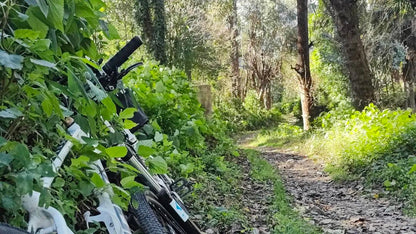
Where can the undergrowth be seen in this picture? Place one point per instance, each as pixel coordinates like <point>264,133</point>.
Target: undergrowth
<point>375,145</point>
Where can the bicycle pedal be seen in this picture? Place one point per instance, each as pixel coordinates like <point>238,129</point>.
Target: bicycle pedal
<point>182,187</point>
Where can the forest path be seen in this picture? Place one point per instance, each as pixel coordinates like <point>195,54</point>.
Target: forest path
<point>334,207</point>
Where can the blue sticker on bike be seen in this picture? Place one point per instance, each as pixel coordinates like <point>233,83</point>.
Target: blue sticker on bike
<point>175,205</point>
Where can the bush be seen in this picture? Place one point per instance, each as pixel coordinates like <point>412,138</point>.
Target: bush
<point>376,144</point>
<point>247,115</point>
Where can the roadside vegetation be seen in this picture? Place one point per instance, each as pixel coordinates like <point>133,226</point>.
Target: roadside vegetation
<point>299,90</point>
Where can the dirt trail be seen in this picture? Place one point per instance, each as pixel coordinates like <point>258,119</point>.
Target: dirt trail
<point>336,208</point>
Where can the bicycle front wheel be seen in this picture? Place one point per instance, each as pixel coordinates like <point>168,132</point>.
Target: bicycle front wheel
<point>151,216</point>
<point>5,228</point>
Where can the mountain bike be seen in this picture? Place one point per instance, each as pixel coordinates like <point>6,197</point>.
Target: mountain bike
<point>156,209</point>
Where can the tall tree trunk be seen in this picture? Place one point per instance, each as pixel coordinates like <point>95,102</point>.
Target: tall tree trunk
<point>345,17</point>
<point>302,66</point>
<point>151,18</point>
<point>160,31</point>
<point>409,69</point>
<point>144,20</point>
<point>235,54</point>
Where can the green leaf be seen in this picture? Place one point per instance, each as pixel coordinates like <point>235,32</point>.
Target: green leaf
<point>44,63</point>
<point>109,30</point>
<point>43,7</point>
<point>97,180</point>
<point>145,151</point>
<point>158,137</point>
<point>116,151</point>
<point>413,169</point>
<point>47,107</point>
<point>12,61</point>
<point>9,203</point>
<point>160,88</point>
<point>11,113</point>
<point>35,21</point>
<point>24,182</point>
<point>59,182</point>
<point>5,159</point>
<point>129,182</point>
<point>56,13</point>
<point>26,33</point>
<point>128,124</point>
<point>80,162</point>
<point>41,45</point>
<point>85,188</point>
<point>388,183</point>
<point>109,104</point>
<point>127,113</point>
<point>21,155</point>
<point>157,165</point>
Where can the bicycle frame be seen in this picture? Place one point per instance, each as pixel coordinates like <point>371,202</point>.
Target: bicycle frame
<point>47,220</point>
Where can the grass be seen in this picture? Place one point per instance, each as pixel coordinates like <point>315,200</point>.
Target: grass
<point>285,135</point>
<point>286,218</point>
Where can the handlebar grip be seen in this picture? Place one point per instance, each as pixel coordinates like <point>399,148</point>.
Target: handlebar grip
<point>118,59</point>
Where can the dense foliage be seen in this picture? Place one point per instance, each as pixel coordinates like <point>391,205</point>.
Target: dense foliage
<point>45,79</point>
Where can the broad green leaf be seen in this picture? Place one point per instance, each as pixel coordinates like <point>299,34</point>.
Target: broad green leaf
<point>59,182</point>
<point>41,45</point>
<point>128,124</point>
<point>127,113</point>
<point>5,159</point>
<point>158,137</point>
<point>43,7</point>
<point>21,155</point>
<point>47,107</point>
<point>157,165</point>
<point>8,202</point>
<point>26,33</point>
<point>35,21</point>
<point>24,182</point>
<point>129,182</point>
<point>10,113</point>
<point>116,151</point>
<point>56,13</point>
<point>145,151</point>
<point>148,142</point>
<point>44,63</point>
<point>97,180</point>
<point>85,188</point>
<point>160,87</point>
<point>81,161</point>
<point>413,169</point>
<point>109,104</point>
<point>109,30</point>
<point>12,61</point>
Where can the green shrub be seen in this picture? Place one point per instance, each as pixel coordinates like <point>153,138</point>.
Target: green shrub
<point>375,144</point>
<point>247,115</point>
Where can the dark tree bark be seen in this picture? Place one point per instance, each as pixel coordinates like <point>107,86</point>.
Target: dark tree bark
<point>235,53</point>
<point>409,69</point>
<point>160,31</point>
<point>345,17</point>
<point>150,16</point>
<point>302,67</point>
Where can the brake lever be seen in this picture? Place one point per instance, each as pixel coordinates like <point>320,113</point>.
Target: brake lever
<point>124,72</point>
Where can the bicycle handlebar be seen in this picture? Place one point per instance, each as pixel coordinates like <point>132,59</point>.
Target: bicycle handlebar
<point>118,59</point>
